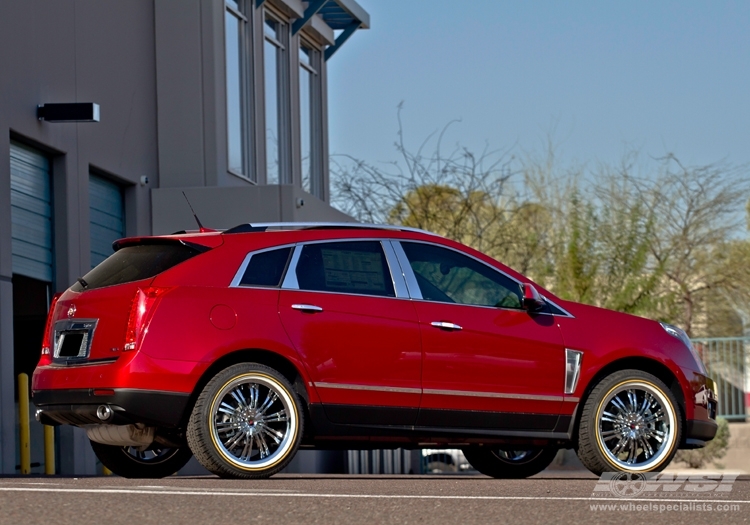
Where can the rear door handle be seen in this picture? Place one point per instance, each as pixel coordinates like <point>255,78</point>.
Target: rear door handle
<point>311,308</point>
<point>446,326</point>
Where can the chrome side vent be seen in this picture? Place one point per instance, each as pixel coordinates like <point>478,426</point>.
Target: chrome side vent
<point>573,360</point>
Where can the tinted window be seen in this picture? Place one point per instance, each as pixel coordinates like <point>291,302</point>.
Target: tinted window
<point>133,263</point>
<point>447,276</point>
<point>348,267</point>
<point>266,268</point>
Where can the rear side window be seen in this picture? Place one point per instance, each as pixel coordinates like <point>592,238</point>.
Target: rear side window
<point>358,267</point>
<point>133,263</point>
<point>266,268</point>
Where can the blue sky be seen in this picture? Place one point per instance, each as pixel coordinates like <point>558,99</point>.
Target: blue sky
<point>604,76</point>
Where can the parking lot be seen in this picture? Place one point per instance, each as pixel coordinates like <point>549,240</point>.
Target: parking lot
<point>559,497</point>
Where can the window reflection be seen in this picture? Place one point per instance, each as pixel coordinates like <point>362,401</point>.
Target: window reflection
<point>272,49</point>
<point>233,31</point>
<point>305,104</point>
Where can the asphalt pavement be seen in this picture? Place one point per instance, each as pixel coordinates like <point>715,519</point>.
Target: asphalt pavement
<point>559,497</point>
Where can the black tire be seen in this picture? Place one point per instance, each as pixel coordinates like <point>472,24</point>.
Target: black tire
<point>507,463</point>
<point>229,430</point>
<point>128,462</point>
<point>604,426</point>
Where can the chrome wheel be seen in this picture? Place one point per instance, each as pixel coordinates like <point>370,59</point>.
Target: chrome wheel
<point>508,463</point>
<point>253,421</point>
<point>152,455</point>
<point>157,461</point>
<point>516,456</point>
<point>636,426</point>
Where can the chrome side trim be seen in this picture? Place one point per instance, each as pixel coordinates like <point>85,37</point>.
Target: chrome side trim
<point>290,279</point>
<point>573,360</point>
<point>307,307</point>
<point>411,280</point>
<point>344,386</point>
<point>443,325</point>
<point>397,273</point>
<point>402,390</point>
<point>91,362</point>
<point>491,394</point>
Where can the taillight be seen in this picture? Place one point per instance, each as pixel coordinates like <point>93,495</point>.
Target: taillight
<point>140,310</point>
<point>47,339</point>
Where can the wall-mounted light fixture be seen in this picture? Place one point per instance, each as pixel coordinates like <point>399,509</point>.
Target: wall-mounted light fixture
<point>74,112</point>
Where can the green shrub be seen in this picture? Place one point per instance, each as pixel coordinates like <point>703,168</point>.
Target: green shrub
<point>714,449</point>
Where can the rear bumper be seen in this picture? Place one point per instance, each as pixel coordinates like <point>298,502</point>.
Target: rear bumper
<point>78,407</point>
<point>697,432</point>
<point>703,430</point>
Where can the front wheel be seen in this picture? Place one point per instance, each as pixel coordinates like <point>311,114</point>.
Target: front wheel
<point>130,462</point>
<point>247,422</point>
<point>631,422</point>
<point>507,463</point>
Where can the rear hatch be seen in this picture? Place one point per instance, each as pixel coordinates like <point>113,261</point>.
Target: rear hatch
<point>106,311</point>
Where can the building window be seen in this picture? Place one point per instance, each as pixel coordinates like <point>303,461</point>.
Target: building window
<point>273,59</point>
<point>309,92</point>
<point>235,26</point>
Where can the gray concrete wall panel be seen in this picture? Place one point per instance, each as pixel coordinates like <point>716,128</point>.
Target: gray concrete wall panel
<point>156,68</point>
<point>7,403</point>
<point>73,51</point>
<point>222,208</point>
<point>179,92</point>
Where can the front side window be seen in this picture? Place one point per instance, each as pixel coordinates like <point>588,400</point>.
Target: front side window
<point>357,267</point>
<point>235,25</point>
<point>446,276</point>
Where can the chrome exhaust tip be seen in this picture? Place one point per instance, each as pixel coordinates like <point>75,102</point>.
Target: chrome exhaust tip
<point>38,414</point>
<point>103,412</point>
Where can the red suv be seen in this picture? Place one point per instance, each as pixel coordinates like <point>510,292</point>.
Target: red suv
<point>241,346</point>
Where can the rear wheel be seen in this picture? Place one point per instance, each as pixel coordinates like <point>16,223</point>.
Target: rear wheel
<point>510,463</point>
<point>247,422</point>
<point>157,461</point>
<point>631,422</point>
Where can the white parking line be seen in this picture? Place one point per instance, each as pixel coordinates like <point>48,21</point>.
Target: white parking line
<point>359,496</point>
<point>189,489</point>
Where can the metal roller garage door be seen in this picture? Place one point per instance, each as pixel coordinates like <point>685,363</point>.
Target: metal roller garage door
<point>31,213</point>
<point>107,217</point>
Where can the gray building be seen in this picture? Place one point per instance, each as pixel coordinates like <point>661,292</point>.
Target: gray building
<point>225,100</point>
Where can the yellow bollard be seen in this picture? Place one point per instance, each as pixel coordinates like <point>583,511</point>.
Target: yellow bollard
<point>23,417</point>
<point>49,450</point>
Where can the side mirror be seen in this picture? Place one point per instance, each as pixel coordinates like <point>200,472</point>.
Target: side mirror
<point>532,301</point>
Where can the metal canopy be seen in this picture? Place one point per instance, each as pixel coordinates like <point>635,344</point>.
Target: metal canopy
<point>340,14</point>
<point>345,16</point>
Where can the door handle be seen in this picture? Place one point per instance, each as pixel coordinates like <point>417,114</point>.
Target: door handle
<point>310,308</point>
<point>446,326</point>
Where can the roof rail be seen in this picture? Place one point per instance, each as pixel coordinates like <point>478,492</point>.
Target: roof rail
<point>283,226</point>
